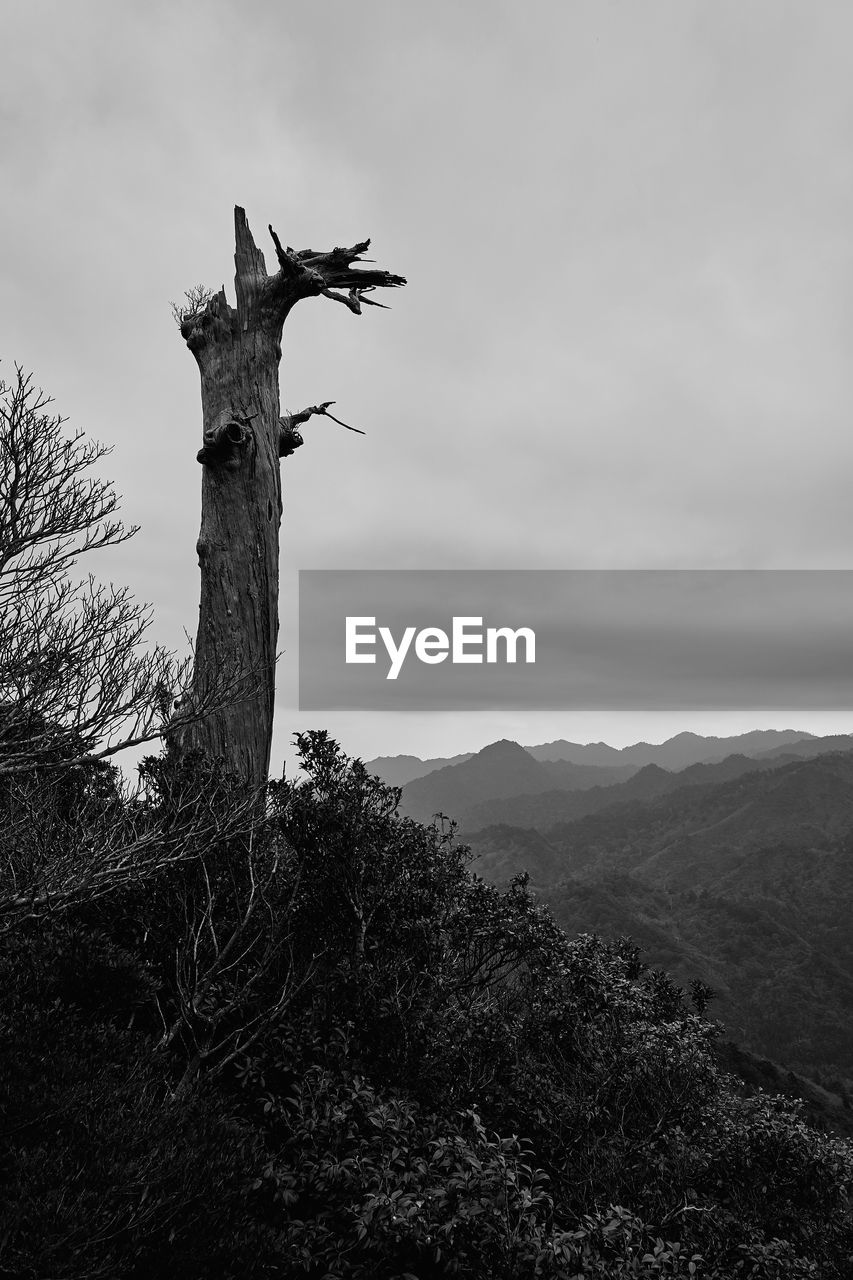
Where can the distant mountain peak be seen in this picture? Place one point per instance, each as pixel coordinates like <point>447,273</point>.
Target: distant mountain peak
<point>504,748</point>
<point>678,752</point>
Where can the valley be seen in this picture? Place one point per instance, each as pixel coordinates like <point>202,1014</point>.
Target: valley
<point>731,864</point>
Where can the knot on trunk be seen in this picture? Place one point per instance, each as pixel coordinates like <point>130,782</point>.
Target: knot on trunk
<point>206,319</point>
<point>224,444</point>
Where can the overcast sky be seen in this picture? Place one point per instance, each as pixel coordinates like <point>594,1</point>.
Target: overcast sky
<point>625,343</point>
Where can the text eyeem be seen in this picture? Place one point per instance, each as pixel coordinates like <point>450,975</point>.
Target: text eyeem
<point>467,642</point>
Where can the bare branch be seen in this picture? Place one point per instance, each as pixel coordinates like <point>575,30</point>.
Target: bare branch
<point>234,972</point>
<point>50,512</point>
<point>76,681</point>
<point>350,299</point>
<point>358,430</point>
<point>310,272</point>
<point>53,858</point>
<point>337,271</point>
<point>290,438</point>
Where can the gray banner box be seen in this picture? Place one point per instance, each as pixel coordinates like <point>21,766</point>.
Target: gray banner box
<point>604,639</point>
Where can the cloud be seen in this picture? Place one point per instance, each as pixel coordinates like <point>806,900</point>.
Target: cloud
<point>626,229</point>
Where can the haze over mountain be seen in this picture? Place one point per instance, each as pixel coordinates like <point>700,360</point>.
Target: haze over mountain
<point>499,783</point>
<point>396,771</point>
<point>675,753</point>
<point>502,768</point>
<point>810,746</point>
<point>542,811</point>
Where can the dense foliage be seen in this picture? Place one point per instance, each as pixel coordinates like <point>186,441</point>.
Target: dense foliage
<point>306,1041</point>
<point>783,977</point>
<point>746,882</point>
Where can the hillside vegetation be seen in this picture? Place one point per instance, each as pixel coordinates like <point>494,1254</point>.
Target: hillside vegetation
<point>745,883</point>
<point>304,1040</point>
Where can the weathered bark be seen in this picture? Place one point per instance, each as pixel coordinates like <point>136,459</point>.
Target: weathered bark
<point>238,351</point>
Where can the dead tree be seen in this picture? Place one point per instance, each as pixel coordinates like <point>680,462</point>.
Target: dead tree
<point>238,350</point>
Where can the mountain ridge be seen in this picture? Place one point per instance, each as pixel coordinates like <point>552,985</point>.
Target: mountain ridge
<point>745,884</point>
<point>681,750</point>
<point>501,768</point>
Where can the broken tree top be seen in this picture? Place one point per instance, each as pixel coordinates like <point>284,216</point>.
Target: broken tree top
<point>265,300</point>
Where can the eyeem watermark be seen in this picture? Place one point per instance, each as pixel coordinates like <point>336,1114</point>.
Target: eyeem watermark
<point>466,642</point>
<point>427,640</point>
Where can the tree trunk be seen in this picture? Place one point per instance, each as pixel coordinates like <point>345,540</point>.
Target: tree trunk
<point>229,710</point>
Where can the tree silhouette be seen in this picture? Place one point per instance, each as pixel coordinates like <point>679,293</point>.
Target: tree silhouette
<point>76,681</point>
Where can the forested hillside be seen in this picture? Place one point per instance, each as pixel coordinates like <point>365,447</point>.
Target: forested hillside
<point>746,884</point>
<point>308,1042</point>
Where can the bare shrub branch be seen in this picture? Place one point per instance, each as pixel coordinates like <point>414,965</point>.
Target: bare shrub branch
<point>70,839</point>
<point>76,680</point>
<point>195,301</point>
